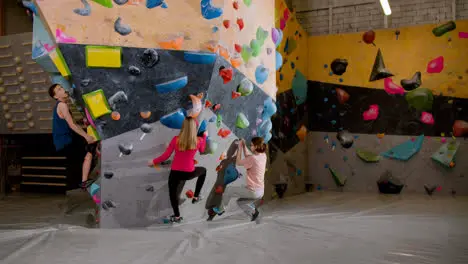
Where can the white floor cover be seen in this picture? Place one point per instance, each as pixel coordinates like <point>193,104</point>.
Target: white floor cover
<point>311,228</point>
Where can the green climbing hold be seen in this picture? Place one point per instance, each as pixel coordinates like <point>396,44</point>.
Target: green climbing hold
<point>246,53</point>
<point>219,120</point>
<point>367,156</point>
<point>256,47</point>
<point>339,180</point>
<point>242,121</point>
<point>261,35</point>
<point>420,99</point>
<point>245,87</point>
<point>446,154</point>
<point>247,2</point>
<point>106,3</point>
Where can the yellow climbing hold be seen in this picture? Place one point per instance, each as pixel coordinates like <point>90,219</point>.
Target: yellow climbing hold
<point>97,104</point>
<point>104,57</point>
<point>92,132</point>
<point>380,135</point>
<point>57,57</point>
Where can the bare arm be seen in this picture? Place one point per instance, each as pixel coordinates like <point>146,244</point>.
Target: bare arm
<point>65,112</point>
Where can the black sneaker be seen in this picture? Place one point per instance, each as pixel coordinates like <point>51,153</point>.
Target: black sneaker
<point>255,215</point>
<point>212,213</point>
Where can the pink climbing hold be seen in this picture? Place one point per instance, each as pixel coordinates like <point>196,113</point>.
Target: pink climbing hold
<point>462,35</point>
<point>96,199</point>
<point>62,38</point>
<point>427,118</point>
<point>90,120</point>
<point>392,88</point>
<point>286,14</point>
<point>282,24</point>
<point>372,113</point>
<point>436,65</point>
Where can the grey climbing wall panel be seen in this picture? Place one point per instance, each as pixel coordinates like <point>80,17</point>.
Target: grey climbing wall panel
<point>25,105</point>
<point>140,194</point>
<point>420,170</point>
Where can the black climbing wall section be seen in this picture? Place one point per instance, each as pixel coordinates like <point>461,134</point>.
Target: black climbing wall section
<point>140,90</point>
<point>220,93</point>
<point>288,119</point>
<point>395,115</point>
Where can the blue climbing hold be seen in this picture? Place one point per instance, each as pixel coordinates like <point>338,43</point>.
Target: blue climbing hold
<point>261,74</point>
<point>174,120</point>
<point>325,66</point>
<point>341,79</point>
<point>279,60</point>
<point>209,11</point>
<point>173,85</point>
<point>94,189</point>
<point>269,109</point>
<point>333,91</point>
<point>215,29</point>
<point>212,119</point>
<point>406,150</point>
<point>202,127</point>
<point>230,174</point>
<point>325,99</point>
<point>326,166</point>
<point>155,3</point>
<point>199,57</point>
<point>293,65</point>
<point>299,172</point>
<point>331,73</point>
<point>281,77</point>
<point>333,106</point>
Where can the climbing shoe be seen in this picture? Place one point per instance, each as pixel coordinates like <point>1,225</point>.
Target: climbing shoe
<point>213,212</point>
<point>175,219</point>
<point>255,215</point>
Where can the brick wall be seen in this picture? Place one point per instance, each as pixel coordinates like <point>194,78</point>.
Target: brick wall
<point>362,15</point>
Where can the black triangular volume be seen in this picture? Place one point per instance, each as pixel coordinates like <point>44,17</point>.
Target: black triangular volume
<point>379,71</point>
<point>430,190</point>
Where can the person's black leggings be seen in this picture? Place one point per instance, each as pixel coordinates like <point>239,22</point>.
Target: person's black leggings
<point>177,181</point>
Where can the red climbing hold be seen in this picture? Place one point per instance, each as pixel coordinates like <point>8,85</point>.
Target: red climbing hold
<point>460,128</point>
<point>235,4</point>
<point>219,189</point>
<point>226,23</point>
<point>286,14</point>
<point>189,194</point>
<point>240,23</point>
<point>238,48</point>
<point>342,95</point>
<point>223,133</point>
<point>235,95</point>
<point>226,74</point>
<point>208,103</point>
<point>216,107</point>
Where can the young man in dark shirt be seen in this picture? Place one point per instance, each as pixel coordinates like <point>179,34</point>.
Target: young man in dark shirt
<point>65,133</point>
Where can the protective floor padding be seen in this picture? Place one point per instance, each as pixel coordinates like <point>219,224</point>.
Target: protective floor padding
<point>313,228</point>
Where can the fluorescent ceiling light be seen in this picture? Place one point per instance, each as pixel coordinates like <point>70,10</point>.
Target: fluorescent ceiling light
<point>386,7</point>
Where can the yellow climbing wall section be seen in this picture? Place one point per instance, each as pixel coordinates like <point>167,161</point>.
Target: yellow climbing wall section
<point>177,24</point>
<point>412,51</point>
<point>295,35</point>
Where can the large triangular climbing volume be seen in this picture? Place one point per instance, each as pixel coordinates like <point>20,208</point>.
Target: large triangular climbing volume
<point>379,71</point>
<point>405,150</point>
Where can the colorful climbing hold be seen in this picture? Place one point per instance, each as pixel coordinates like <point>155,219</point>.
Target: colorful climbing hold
<point>105,3</point>
<point>96,103</point>
<point>248,2</point>
<point>208,103</point>
<point>261,74</point>
<point>460,128</point>
<point>199,57</point>
<point>367,156</point>
<point>420,99</point>
<point>175,43</point>
<point>224,132</point>
<point>173,120</point>
<point>391,88</point>
<point>121,28</point>
<point>442,29</point>
<point>372,113</point>
<point>226,74</point>
<point>103,57</point>
<point>115,116</point>
<point>301,133</point>
<point>235,94</point>
<point>145,114</point>
<point>235,5</point>
<point>219,120</point>
<point>413,83</point>
<point>240,23</point>
<point>209,11</point>
<point>172,86</point>
<point>246,53</point>
<point>216,107</point>
<point>85,11</point>
<point>238,48</point>
<point>405,150</point>
<point>427,118</point>
<point>226,23</point>
<point>436,65</point>
<point>242,122</point>
<point>368,37</point>
<point>245,87</point>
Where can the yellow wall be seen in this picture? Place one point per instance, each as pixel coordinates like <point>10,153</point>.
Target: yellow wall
<point>415,47</point>
<point>301,51</point>
<point>151,26</point>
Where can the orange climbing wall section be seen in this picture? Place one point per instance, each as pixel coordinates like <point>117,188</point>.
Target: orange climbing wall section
<point>297,59</point>
<point>411,52</point>
<point>179,26</point>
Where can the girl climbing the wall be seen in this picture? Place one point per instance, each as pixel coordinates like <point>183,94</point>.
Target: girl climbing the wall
<point>255,165</point>
<point>185,145</point>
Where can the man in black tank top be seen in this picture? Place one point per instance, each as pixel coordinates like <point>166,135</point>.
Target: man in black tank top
<point>68,141</point>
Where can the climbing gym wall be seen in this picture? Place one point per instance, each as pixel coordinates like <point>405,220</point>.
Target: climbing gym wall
<point>236,30</point>
<point>136,94</point>
<point>25,105</point>
<point>288,151</point>
<point>389,110</point>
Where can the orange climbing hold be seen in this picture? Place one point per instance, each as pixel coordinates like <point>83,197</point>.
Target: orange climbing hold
<point>235,95</point>
<point>212,47</point>
<point>224,133</point>
<point>115,116</point>
<point>301,133</point>
<point>226,23</point>
<point>208,103</point>
<point>175,44</point>
<point>222,156</point>
<point>226,74</point>
<point>236,62</point>
<point>223,52</point>
<point>219,189</point>
<point>240,23</point>
<point>145,114</point>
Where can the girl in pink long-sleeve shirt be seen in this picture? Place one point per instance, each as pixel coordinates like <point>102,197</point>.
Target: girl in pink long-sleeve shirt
<point>185,145</point>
